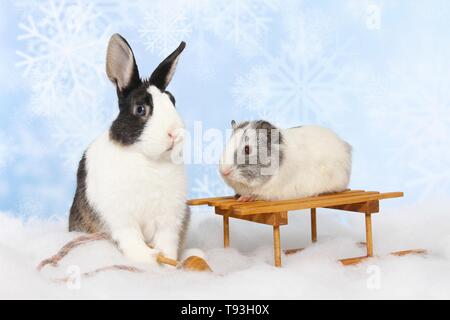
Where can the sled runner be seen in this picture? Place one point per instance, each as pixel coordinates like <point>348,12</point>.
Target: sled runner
<point>275,213</point>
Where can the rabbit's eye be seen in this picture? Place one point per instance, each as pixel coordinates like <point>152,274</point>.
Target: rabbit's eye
<point>247,149</point>
<point>139,111</point>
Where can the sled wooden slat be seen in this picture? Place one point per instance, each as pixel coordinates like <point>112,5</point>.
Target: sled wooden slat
<point>275,213</point>
<point>317,203</point>
<point>204,201</point>
<point>238,204</point>
<point>260,204</point>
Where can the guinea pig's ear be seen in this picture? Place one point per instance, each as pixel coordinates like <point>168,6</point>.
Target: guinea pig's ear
<point>163,74</point>
<point>233,124</point>
<point>121,66</point>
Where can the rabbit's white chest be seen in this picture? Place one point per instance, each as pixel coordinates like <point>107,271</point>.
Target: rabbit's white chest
<point>129,189</point>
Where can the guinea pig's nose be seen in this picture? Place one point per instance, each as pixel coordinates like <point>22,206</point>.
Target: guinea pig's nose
<point>225,171</point>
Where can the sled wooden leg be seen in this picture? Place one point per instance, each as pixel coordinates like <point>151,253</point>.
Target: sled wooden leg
<point>313,225</point>
<point>277,245</point>
<point>369,242</point>
<point>226,231</point>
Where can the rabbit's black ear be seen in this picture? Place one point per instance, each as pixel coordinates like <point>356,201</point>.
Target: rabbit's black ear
<point>163,74</point>
<point>121,66</point>
<point>233,124</point>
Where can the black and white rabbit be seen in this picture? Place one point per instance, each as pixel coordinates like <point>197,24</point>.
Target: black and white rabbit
<point>264,162</point>
<point>128,184</point>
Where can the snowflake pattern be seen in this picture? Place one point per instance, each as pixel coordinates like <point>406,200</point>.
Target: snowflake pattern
<point>245,24</point>
<point>164,27</point>
<point>63,61</point>
<point>312,88</point>
<point>64,53</point>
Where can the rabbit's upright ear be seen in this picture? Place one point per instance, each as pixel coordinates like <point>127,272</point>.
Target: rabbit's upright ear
<point>163,74</point>
<point>121,66</point>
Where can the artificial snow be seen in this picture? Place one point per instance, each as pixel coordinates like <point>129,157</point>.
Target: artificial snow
<point>244,271</point>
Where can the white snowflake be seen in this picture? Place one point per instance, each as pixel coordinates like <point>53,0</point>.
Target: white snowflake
<point>310,77</point>
<point>300,90</point>
<point>243,23</point>
<point>63,60</point>
<point>64,52</point>
<point>164,27</point>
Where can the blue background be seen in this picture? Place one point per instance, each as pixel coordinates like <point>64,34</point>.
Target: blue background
<point>377,72</point>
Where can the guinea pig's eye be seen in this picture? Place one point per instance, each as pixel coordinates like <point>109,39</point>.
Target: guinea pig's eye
<point>139,110</point>
<point>247,149</point>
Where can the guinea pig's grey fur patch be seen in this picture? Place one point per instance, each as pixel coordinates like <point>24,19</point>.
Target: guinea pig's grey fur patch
<point>254,169</point>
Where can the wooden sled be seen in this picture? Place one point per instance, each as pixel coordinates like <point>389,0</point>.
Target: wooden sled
<point>275,213</point>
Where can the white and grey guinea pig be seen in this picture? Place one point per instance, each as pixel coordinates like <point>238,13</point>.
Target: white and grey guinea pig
<point>263,162</point>
<point>127,184</point>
